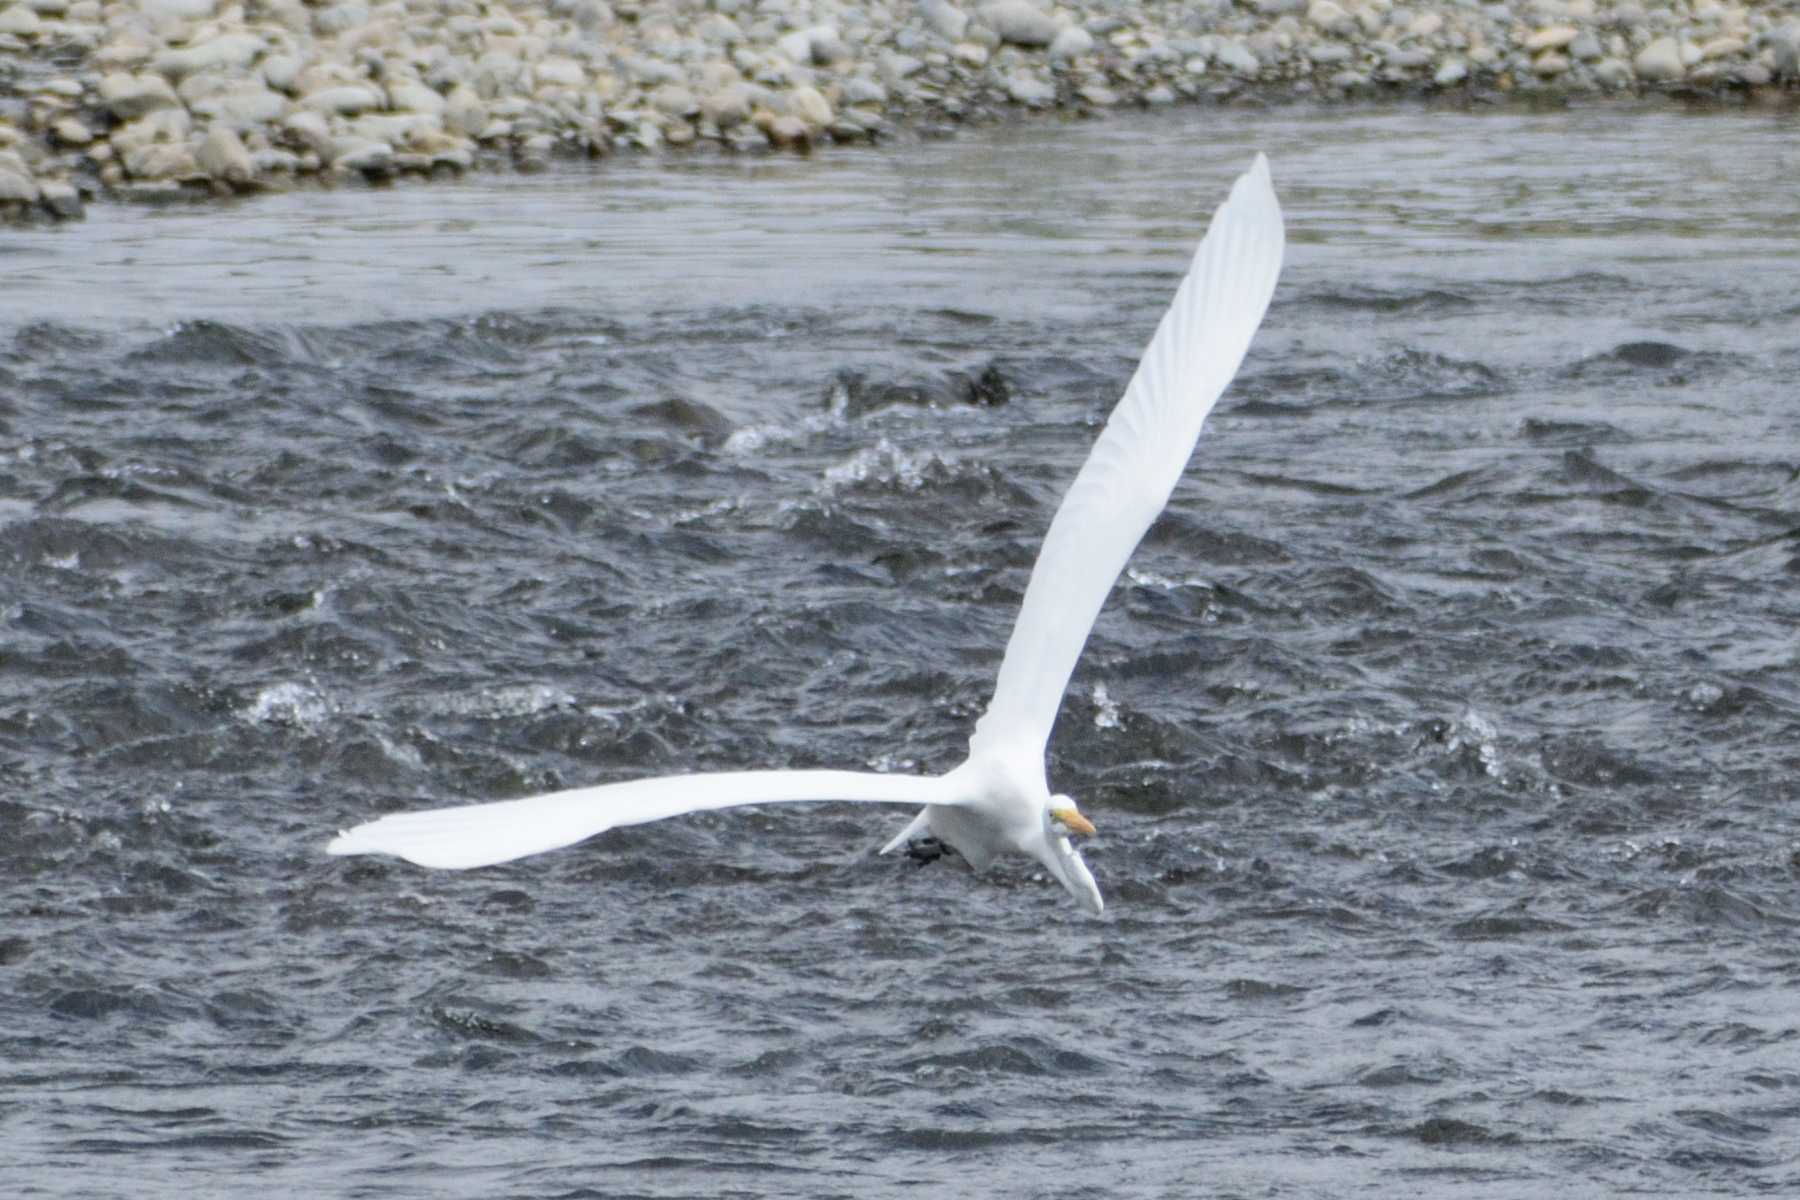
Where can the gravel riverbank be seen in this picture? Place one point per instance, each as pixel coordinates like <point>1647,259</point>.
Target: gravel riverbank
<point>160,99</point>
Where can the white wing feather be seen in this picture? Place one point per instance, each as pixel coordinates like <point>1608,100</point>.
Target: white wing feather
<point>1136,461</point>
<point>475,835</point>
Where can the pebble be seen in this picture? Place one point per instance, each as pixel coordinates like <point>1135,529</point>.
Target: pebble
<point>1660,61</point>
<point>1552,37</point>
<point>142,98</point>
<point>129,96</point>
<point>1330,17</point>
<point>71,132</point>
<point>1019,22</point>
<point>1071,42</point>
<point>224,156</point>
<point>17,184</point>
<point>1030,91</point>
<point>949,21</point>
<point>20,21</point>
<point>810,106</point>
<point>1235,56</point>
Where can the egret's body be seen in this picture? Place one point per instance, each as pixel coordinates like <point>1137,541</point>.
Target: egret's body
<point>998,801</point>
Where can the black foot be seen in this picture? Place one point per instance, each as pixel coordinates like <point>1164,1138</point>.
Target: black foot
<point>926,850</point>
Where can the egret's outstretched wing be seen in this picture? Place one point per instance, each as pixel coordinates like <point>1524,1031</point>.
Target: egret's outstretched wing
<point>475,835</point>
<point>1137,459</point>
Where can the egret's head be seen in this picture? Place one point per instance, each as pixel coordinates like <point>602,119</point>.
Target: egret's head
<point>1066,818</point>
<point>1062,818</point>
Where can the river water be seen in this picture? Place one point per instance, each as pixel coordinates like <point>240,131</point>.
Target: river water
<point>1442,737</point>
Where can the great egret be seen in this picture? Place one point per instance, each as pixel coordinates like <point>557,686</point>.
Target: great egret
<point>998,801</point>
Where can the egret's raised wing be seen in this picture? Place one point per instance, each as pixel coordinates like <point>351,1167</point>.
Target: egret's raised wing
<point>1137,459</point>
<point>475,835</point>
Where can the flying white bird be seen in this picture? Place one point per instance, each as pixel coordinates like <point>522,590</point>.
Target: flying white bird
<point>997,802</point>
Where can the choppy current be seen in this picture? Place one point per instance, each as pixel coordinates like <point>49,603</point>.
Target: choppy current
<point>1443,737</point>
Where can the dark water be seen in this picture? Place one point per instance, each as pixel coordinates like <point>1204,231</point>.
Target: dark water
<point>1443,738</point>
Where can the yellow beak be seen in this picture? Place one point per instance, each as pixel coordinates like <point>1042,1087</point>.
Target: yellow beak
<point>1073,821</point>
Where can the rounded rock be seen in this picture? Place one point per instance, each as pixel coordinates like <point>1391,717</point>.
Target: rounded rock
<point>1330,17</point>
<point>1019,22</point>
<point>674,100</point>
<point>1072,42</point>
<point>345,100</point>
<point>728,107</point>
<point>224,156</point>
<point>1660,61</point>
<point>1551,37</point>
<point>1451,72</point>
<point>128,97</point>
<point>18,185</point>
<point>71,132</point>
<point>947,20</point>
<point>21,22</point>
<point>810,106</point>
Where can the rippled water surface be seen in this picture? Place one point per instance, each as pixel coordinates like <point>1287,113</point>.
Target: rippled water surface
<point>1442,737</point>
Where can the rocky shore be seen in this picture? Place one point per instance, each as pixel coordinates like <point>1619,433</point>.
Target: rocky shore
<point>158,99</point>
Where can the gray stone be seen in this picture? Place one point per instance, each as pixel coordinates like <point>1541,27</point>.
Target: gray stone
<point>280,70</point>
<point>464,111</point>
<point>358,154</point>
<point>896,67</point>
<point>1330,17</point>
<point>1451,72</point>
<point>1784,49</point>
<point>727,107</point>
<point>820,45</point>
<point>1024,88</point>
<point>946,20</point>
<point>1234,56</point>
<point>311,132</point>
<point>351,14</point>
<point>71,132</point>
<point>21,22</point>
<point>177,10</point>
<point>788,131</point>
<point>1326,53</point>
<point>272,161</point>
<point>1586,48</point>
<point>858,90</point>
<point>227,52</point>
<point>1612,73</point>
<point>243,106</point>
<point>129,96</point>
<point>674,100</point>
<point>18,185</point>
<point>1551,37</point>
<point>810,106</point>
<point>1072,42</point>
<point>1660,61</point>
<point>1019,22</point>
<point>61,199</point>
<point>396,129</point>
<point>159,160</point>
<point>224,156</point>
<point>559,72</point>
<point>345,99</point>
<point>407,96</point>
